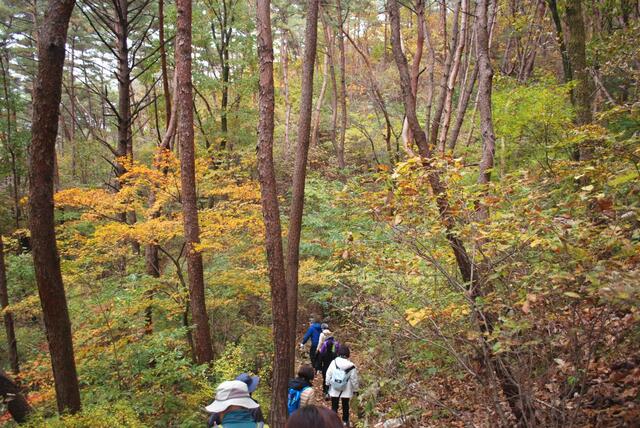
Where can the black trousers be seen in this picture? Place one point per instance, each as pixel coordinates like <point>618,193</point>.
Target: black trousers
<point>313,355</point>
<point>325,387</point>
<point>335,402</point>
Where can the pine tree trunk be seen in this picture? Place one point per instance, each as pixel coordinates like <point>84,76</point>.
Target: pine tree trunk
<point>300,168</point>
<point>46,110</point>
<point>271,213</point>
<point>163,63</point>
<point>201,334</point>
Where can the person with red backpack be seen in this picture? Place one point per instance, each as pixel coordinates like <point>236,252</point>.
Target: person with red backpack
<point>342,378</point>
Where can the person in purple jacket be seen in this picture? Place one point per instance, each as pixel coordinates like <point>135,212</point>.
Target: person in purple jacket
<point>313,333</point>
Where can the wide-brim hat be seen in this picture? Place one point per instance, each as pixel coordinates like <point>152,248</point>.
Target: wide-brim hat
<point>231,393</point>
<point>251,381</point>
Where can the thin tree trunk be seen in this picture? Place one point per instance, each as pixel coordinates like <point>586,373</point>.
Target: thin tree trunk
<point>319,102</point>
<point>300,168</point>
<point>271,215</point>
<point>453,77</point>
<point>9,141</point>
<point>12,344</point>
<point>184,99</point>
<point>566,64</point>
<point>287,99</point>
<point>343,90</point>
<point>17,405</point>
<point>329,42</point>
<point>437,116</point>
<point>46,110</point>
<point>163,62</point>
<point>578,58</point>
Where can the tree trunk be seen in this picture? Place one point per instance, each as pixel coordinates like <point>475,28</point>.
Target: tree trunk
<point>46,110</point>
<point>485,81</point>
<point>449,53</point>
<point>184,98</point>
<point>453,77</point>
<point>329,42</point>
<point>285,82</point>
<point>271,214</point>
<point>17,405</point>
<point>319,102</point>
<point>577,55</point>
<point>343,90</point>
<point>163,62</point>
<point>12,344</point>
<point>300,168</point>
<point>566,64</point>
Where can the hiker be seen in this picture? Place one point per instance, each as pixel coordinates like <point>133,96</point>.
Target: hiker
<point>252,384</point>
<point>326,354</point>
<point>300,389</point>
<point>324,335</point>
<point>234,405</point>
<point>342,378</point>
<point>314,417</point>
<point>313,333</point>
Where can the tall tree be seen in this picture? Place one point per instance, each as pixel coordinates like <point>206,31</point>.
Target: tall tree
<point>271,214</point>
<point>184,98</point>
<point>47,92</point>
<point>485,82</point>
<point>300,167</point>
<point>343,88</point>
<point>7,315</point>
<point>583,90</point>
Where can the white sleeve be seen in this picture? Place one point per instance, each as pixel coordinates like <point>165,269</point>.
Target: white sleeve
<point>354,379</point>
<point>330,372</point>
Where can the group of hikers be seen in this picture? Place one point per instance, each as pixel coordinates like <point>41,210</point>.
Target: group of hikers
<point>234,406</point>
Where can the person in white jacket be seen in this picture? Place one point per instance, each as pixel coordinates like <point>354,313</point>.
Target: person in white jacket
<point>342,378</point>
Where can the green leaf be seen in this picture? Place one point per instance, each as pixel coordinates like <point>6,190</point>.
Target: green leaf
<point>572,294</point>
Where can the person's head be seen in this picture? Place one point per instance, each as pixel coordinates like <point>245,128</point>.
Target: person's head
<point>343,351</point>
<point>325,326</point>
<point>312,319</point>
<point>306,372</point>
<point>251,381</point>
<point>314,417</point>
<point>231,395</point>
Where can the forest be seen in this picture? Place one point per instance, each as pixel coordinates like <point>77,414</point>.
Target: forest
<point>452,185</point>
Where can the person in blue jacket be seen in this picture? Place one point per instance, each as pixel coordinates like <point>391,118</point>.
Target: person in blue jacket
<point>313,333</point>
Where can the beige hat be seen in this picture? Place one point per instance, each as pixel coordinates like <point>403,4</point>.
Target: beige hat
<point>231,393</point>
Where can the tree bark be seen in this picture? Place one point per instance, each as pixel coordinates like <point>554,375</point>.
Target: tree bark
<point>485,82</point>
<point>320,101</point>
<point>184,98</point>
<point>271,214</point>
<point>12,344</point>
<point>300,168</point>
<point>329,42</point>
<point>453,77</point>
<point>46,110</point>
<point>566,64</point>
<point>343,90</point>
<point>17,405</point>
<point>285,82</point>
<point>163,63</point>
<point>449,54</point>
<point>583,90</point>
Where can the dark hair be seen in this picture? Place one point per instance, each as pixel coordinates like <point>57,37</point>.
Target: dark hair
<point>314,417</point>
<point>306,372</point>
<point>343,351</point>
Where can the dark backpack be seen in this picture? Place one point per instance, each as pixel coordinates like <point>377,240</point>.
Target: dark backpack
<point>293,400</point>
<point>329,347</point>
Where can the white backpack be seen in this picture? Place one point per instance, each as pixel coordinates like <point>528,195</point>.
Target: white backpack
<point>340,377</point>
